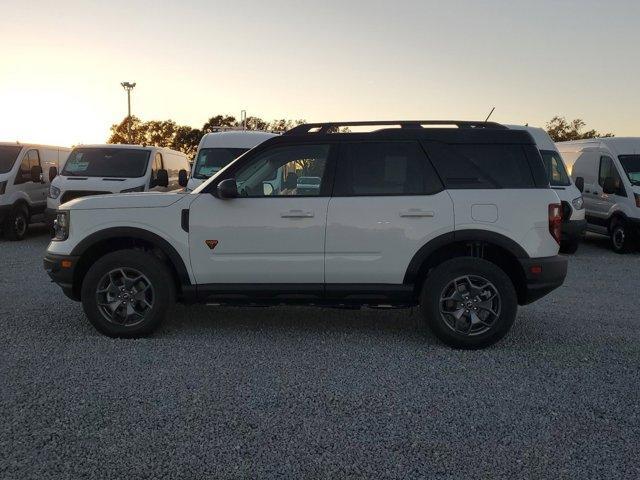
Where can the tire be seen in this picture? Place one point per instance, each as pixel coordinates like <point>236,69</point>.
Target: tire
<point>503,302</point>
<point>16,223</point>
<point>139,309</point>
<point>569,247</point>
<point>621,239</point>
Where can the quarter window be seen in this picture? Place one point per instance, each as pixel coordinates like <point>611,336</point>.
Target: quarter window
<point>384,168</point>
<point>480,166</point>
<point>292,171</point>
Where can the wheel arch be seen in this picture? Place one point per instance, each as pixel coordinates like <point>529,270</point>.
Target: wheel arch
<point>112,239</point>
<point>494,247</point>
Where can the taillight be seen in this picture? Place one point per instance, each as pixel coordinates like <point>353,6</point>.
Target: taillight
<point>555,221</point>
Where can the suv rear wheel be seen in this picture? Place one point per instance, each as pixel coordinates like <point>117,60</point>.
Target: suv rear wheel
<point>468,303</point>
<point>127,293</point>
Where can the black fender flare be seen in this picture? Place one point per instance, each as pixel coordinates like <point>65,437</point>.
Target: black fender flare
<point>136,233</point>
<point>469,235</point>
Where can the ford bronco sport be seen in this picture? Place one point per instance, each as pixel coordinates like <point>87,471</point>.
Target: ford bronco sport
<point>454,217</point>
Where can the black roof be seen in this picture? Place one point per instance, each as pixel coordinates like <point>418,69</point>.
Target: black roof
<point>448,131</point>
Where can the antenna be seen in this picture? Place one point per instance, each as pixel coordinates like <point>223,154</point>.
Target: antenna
<point>490,113</point>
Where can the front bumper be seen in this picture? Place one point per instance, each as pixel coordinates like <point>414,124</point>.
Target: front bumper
<point>62,273</point>
<point>542,276</point>
<point>572,230</point>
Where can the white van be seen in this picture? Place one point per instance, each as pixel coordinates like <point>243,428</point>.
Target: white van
<point>573,212</point>
<point>23,186</point>
<point>608,171</point>
<point>102,169</point>
<point>216,150</point>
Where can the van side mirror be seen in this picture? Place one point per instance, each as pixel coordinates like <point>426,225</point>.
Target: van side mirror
<point>580,184</point>
<point>36,171</point>
<point>53,173</point>
<point>183,179</point>
<point>162,178</point>
<point>609,186</point>
<point>227,189</point>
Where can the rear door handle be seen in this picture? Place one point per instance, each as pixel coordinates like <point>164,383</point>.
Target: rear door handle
<point>417,212</point>
<point>296,214</point>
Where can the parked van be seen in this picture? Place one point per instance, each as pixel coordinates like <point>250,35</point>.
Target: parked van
<point>216,150</point>
<point>573,212</point>
<point>102,169</point>
<point>23,186</point>
<point>608,172</point>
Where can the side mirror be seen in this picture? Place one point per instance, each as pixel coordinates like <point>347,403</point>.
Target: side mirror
<point>227,189</point>
<point>36,171</point>
<point>580,184</point>
<point>53,173</point>
<point>183,179</point>
<point>162,178</point>
<point>609,186</point>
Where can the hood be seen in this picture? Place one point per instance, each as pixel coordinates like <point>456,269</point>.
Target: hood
<point>123,200</point>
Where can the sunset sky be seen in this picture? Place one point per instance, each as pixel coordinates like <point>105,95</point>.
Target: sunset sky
<point>62,62</point>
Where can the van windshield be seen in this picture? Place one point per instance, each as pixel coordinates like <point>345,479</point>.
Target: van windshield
<point>631,165</point>
<point>8,155</point>
<point>212,160</point>
<point>554,166</point>
<point>107,162</point>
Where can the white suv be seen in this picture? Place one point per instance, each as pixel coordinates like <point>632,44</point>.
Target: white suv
<point>457,218</point>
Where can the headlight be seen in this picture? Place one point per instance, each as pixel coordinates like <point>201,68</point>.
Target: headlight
<point>135,189</point>
<point>54,192</point>
<point>61,226</point>
<point>3,187</point>
<point>578,203</point>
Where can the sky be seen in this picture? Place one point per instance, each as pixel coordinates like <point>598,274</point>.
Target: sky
<point>61,63</point>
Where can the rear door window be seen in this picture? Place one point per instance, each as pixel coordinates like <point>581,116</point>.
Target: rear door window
<point>384,168</point>
<point>481,166</point>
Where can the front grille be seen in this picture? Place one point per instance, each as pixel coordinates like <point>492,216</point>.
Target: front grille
<point>72,194</point>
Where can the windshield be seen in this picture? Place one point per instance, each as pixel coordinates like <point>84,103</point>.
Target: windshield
<point>555,168</point>
<point>8,155</point>
<point>631,165</point>
<point>107,162</point>
<point>212,160</point>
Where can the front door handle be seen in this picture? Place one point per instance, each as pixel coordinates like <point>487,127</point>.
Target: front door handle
<point>296,214</point>
<point>417,212</point>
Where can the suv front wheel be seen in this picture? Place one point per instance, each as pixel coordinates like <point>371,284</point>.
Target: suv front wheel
<point>468,302</point>
<point>127,293</point>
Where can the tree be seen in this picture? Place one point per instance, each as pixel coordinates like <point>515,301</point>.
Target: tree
<point>219,121</point>
<point>560,130</point>
<point>186,140</point>
<point>120,131</point>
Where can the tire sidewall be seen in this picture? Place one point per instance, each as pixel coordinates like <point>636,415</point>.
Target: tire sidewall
<point>10,223</point>
<point>442,275</point>
<point>156,273</point>
<point>628,241</point>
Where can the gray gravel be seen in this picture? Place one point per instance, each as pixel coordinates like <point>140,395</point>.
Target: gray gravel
<point>321,393</point>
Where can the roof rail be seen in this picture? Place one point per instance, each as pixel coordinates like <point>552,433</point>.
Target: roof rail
<point>329,127</point>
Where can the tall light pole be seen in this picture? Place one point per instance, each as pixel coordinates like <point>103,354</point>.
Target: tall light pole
<point>128,87</point>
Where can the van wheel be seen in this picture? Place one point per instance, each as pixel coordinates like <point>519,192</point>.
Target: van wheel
<point>16,224</point>
<point>468,303</point>
<point>621,241</point>
<point>126,293</point>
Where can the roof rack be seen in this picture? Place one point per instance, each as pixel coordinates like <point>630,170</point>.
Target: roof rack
<point>329,127</point>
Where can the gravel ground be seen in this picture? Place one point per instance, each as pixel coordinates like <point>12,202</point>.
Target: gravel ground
<point>321,393</point>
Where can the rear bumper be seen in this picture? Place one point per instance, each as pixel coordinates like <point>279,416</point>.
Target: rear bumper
<point>543,275</point>
<point>62,274</point>
<point>573,230</point>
